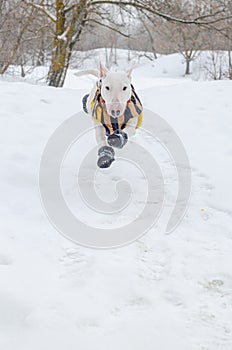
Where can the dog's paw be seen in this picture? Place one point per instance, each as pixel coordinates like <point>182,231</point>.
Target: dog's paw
<point>118,139</point>
<point>84,103</point>
<point>106,157</point>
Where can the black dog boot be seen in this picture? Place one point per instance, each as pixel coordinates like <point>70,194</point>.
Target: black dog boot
<point>106,157</point>
<point>118,139</point>
<point>84,103</point>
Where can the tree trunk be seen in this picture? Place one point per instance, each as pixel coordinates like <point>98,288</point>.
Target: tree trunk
<point>111,55</point>
<point>65,38</point>
<point>115,55</point>
<point>41,55</point>
<point>154,50</point>
<point>40,59</point>
<point>106,57</point>
<point>23,74</point>
<point>59,66</point>
<point>187,67</point>
<point>57,71</point>
<point>230,65</point>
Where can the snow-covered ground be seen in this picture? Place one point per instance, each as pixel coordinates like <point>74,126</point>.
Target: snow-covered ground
<point>207,65</point>
<point>161,292</point>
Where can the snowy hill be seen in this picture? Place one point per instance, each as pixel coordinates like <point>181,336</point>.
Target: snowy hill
<point>206,66</point>
<point>161,292</point>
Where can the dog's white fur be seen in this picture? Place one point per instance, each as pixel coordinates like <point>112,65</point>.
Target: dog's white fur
<point>116,91</point>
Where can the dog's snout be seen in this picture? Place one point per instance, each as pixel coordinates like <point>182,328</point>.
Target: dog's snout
<point>115,113</point>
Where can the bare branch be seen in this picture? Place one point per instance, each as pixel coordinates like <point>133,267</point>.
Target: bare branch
<point>41,9</point>
<point>143,6</point>
<point>108,26</point>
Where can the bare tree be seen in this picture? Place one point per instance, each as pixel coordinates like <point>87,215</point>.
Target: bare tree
<point>12,36</point>
<point>69,18</point>
<point>216,65</point>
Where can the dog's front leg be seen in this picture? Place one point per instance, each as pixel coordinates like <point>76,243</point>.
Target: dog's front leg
<point>120,137</point>
<point>100,134</point>
<point>105,152</point>
<point>130,129</point>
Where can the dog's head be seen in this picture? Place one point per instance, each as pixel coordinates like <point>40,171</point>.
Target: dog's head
<point>115,90</point>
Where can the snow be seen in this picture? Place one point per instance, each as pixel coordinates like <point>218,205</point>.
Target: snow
<point>64,35</point>
<point>161,292</point>
<point>166,66</point>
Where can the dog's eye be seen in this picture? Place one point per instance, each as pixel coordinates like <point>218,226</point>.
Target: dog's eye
<point>107,88</point>
<point>124,88</point>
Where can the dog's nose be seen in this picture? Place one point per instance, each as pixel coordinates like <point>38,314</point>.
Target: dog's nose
<point>115,112</point>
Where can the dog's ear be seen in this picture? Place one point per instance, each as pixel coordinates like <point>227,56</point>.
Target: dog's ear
<point>129,70</point>
<point>103,71</point>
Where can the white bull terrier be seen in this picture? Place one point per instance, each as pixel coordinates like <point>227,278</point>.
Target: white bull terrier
<point>116,108</point>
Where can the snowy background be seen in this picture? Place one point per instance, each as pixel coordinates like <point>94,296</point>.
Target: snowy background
<point>161,292</point>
